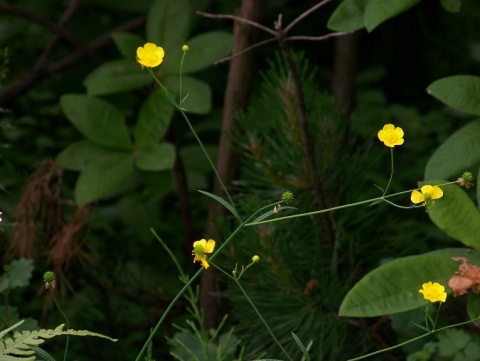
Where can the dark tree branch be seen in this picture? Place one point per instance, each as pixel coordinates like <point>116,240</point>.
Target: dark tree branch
<point>12,91</point>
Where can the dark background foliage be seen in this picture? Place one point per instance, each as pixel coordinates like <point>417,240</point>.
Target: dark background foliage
<point>114,278</point>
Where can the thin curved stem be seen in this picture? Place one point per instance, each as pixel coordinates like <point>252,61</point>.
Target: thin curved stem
<point>234,279</point>
<point>412,340</point>
<point>207,156</point>
<point>391,171</point>
<point>180,293</point>
<point>66,321</point>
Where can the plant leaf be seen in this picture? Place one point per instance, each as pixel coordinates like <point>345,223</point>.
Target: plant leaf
<point>22,345</point>
<point>168,25</point>
<point>348,16</point>
<point>16,274</point>
<point>156,157</point>
<point>199,100</point>
<point>153,119</point>
<point>393,287</point>
<point>97,120</point>
<point>205,49</point>
<point>77,156</point>
<point>452,6</point>
<point>378,11</point>
<point>105,179</point>
<point>459,153</point>
<point>461,92</point>
<point>223,203</point>
<point>117,76</point>
<point>127,44</point>
<point>456,214</point>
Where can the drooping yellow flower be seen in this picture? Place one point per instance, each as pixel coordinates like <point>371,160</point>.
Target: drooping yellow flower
<point>150,55</point>
<point>429,194</point>
<point>201,249</point>
<point>390,135</point>
<point>433,292</point>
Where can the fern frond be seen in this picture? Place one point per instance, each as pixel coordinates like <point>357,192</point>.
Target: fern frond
<point>20,346</point>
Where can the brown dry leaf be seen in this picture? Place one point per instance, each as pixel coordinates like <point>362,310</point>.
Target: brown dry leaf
<point>467,277</point>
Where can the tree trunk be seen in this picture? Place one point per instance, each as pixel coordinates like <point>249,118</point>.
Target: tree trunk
<point>237,94</point>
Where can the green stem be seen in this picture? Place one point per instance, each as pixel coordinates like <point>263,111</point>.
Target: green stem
<point>209,159</point>
<point>372,200</point>
<point>256,311</point>
<point>391,172</point>
<point>66,321</point>
<point>412,340</point>
<point>181,292</point>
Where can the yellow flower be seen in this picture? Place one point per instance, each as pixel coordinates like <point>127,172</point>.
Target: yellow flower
<point>429,194</point>
<point>433,292</point>
<point>255,259</point>
<point>150,55</point>
<point>201,249</point>
<point>390,135</point>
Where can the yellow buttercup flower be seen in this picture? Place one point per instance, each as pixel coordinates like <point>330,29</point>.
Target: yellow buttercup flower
<point>390,135</point>
<point>201,249</point>
<point>433,292</point>
<point>150,55</point>
<point>429,194</point>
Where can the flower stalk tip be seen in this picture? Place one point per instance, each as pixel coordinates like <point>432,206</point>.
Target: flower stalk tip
<point>49,279</point>
<point>466,180</point>
<point>255,259</point>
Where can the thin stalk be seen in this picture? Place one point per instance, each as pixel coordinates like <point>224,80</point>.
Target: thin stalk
<point>66,321</point>
<point>412,340</point>
<point>391,172</point>
<point>209,159</point>
<point>181,292</point>
<point>372,200</point>
<point>256,310</point>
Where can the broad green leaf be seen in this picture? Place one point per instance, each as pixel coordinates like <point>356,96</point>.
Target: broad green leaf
<point>16,274</point>
<point>77,156</point>
<point>117,76</point>
<point>156,157</point>
<point>456,214</point>
<point>393,287</point>
<point>452,6</point>
<point>378,11</point>
<point>473,305</point>
<point>168,25</point>
<point>199,94</point>
<point>348,16</point>
<point>205,49</point>
<point>153,119</point>
<point>99,181</point>
<point>127,44</point>
<point>223,202</point>
<point>97,120</point>
<point>459,153</point>
<point>461,92</point>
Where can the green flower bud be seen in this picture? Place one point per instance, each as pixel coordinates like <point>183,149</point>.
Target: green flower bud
<point>287,197</point>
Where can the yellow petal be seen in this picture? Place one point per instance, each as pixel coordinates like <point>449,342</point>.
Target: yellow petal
<point>204,262</point>
<point>209,247</point>
<point>427,189</point>
<point>436,192</point>
<point>417,197</point>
